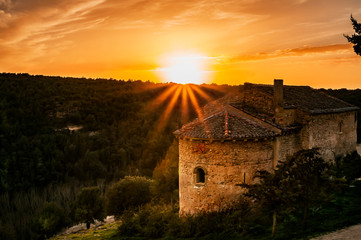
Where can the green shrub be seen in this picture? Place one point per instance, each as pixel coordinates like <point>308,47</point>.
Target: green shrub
<point>128,194</point>
<point>49,220</point>
<point>130,224</point>
<point>165,175</point>
<point>88,206</point>
<point>151,221</point>
<point>157,221</point>
<point>351,166</point>
<point>7,231</point>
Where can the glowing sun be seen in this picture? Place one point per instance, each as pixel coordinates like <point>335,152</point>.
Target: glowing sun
<point>185,68</point>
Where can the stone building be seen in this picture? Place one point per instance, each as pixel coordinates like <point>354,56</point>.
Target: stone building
<point>253,130</point>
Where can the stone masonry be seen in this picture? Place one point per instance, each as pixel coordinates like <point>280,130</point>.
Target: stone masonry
<point>253,131</point>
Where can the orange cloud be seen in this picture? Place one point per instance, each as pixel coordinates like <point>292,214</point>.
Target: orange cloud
<point>27,23</point>
<point>90,37</point>
<point>294,52</point>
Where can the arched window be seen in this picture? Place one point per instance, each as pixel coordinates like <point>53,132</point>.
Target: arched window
<point>200,175</point>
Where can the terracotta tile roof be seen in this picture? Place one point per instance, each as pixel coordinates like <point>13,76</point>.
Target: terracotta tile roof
<point>227,124</point>
<point>308,99</point>
<point>229,119</point>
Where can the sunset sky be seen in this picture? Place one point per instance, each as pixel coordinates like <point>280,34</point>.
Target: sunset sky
<point>227,41</point>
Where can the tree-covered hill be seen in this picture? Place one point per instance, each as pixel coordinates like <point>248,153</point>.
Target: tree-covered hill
<point>59,134</point>
<point>116,128</point>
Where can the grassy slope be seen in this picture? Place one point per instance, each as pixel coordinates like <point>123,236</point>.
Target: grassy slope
<point>106,231</point>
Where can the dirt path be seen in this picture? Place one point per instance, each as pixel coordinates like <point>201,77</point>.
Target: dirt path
<point>353,232</point>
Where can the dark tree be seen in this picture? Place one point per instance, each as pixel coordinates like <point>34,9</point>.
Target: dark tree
<point>127,194</point>
<point>165,176</point>
<point>296,183</point>
<point>355,39</point>
<point>305,171</point>
<point>89,205</point>
<point>350,166</point>
<point>275,192</point>
<point>49,220</point>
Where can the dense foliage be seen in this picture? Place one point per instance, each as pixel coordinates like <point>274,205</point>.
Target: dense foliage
<point>297,183</point>
<point>128,194</point>
<point>89,206</point>
<point>157,221</point>
<point>58,135</point>
<point>116,129</point>
<point>350,167</point>
<point>166,177</point>
<point>49,220</point>
<point>307,185</point>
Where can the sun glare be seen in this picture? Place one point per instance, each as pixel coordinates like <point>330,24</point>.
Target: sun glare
<point>185,68</point>
<point>188,71</point>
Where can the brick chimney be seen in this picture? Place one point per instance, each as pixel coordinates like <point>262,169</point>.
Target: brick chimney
<point>278,95</point>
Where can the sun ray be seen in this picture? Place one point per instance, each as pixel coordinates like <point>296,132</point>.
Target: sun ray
<point>219,88</point>
<point>170,106</point>
<point>183,68</point>
<point>162,98</point>
<point>201,92</point>
<point>187,96</point>
<point>195,103</point>
<point>185,109</point>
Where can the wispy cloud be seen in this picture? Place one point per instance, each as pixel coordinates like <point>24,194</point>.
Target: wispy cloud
<point>29,26</point>
<point>49,19</point>
<point>130,34</point>
<point>5,4</point>
<point>294,52</point>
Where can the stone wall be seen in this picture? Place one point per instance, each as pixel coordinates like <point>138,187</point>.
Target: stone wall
<point>335,134</point>
<point>285,117</point>
<point>323,132</point>
<point>252,96</point>
<point>226,164</point>
<point>286,146</point>
<point>229,164</point>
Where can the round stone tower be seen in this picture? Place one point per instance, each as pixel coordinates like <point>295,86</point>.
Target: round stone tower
<point>217,155</point>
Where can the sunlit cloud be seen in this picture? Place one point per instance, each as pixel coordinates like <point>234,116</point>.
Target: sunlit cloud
<point>301,1</point>
<point>90,37</point>
<point>43,23</point>
<point>5,4</point>
<point>307,50</point>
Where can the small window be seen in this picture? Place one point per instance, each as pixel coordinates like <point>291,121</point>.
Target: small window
<point>200,175</point>
<point>340,125</point>
<point>355,116</point>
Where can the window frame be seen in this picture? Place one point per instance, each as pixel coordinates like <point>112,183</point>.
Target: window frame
<point>198,174</point>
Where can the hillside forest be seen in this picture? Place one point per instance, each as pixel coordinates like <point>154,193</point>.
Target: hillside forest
<point>59,135</point>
